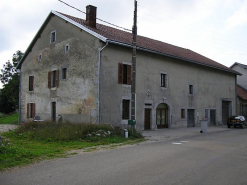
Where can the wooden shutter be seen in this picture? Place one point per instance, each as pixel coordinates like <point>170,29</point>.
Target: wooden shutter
<point>120,73</point>
<point>57,78</point>
<point>33,113</point>
<point>128,74</point>
<point>27,110</point>
<point>49,79</point>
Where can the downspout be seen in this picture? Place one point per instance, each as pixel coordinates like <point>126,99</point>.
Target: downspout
<point>20,98</point>
<point>99,67</point>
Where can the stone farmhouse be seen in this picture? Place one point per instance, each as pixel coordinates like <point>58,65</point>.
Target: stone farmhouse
<point>80,71</point>
<point>241,88</point>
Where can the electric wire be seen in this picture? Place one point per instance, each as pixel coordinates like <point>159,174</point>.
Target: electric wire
<point>96,17</point>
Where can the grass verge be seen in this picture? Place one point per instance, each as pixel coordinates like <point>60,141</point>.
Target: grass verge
<point>9,119</point>
<point>35,142</point>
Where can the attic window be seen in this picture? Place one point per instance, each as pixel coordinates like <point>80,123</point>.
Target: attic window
<point>66,48</point>
<point>53,37</point>
<point>39,57</point>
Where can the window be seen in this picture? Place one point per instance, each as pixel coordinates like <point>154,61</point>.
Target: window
<point>30,110</point>
<point>126,109</point>
<point>39,57</point>
<point>53,37</point>
<point>182,113</point>
<point>190,89</point>
<point>66,48</point>
<point>206,113</point>
<point>53,78</point>
<point>163,81</point>
<point>124,74</point>
<point>64,73</point>
<point>31,81</point>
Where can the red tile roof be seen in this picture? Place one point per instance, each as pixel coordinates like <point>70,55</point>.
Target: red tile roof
<point>116,35</point>
<point>242,93</point>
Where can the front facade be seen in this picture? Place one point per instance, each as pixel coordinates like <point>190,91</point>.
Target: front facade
<point>79,72</point>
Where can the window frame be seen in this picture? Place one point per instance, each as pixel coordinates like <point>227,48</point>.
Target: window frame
<point>53,37</point>
<point>183,113</point>
<point>124,73</point>
<point>53,79</point>
<point>191,89</point>
<point>163,80</point>
<point>65,48</point>
<point>125,109</point>
<point>31,83</point>
<point>31,110</point>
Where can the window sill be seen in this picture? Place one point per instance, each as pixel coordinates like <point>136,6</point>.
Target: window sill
<point>190,94</point>
<point>163,88</point>
<point>54,88</point>
<point>125,85</point>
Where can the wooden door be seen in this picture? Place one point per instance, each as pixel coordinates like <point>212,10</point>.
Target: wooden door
<point>53,111</point>
<point>225,111</point>
<point>212,117</point>
<point>147,120</point>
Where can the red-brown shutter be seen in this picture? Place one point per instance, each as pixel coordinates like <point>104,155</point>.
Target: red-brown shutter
<point>57,78</point>
<point>49,79</point>
<point>120,73</point>
<point>128,74</point>
<point>27,110</point>
<point>33,113</point>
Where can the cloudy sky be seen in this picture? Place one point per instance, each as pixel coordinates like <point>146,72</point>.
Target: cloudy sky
<point>214,28</point>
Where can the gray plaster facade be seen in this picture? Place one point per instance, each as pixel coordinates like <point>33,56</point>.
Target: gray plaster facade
<point>90,93</point>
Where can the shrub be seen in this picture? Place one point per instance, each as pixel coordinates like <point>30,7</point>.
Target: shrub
<point>49,131</point>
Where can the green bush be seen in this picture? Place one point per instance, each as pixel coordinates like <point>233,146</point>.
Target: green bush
<point>134,134</point>
<point>49,131</point>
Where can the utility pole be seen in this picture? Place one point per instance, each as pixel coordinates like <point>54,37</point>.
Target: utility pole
<point>133,73</point>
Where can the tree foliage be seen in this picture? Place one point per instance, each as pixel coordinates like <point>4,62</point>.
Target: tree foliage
<point>9,96</point>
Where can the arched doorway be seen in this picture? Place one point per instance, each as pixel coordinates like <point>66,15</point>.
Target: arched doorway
<point>162,116</point>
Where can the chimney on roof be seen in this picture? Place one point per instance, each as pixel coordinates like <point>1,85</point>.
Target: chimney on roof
<point>91,16</point>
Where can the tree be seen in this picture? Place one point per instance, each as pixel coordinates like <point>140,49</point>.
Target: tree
<point>9,97</point>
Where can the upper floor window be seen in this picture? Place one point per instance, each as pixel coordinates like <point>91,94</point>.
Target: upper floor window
<point>163,80</point>
<point>39,57</point>
<point>31,83</point>
<point>66,48</point>
<point>64,73</point>
<point>124,74</point>
<point>191,89</point>
<point>53,37</point>
<point>53,78</point>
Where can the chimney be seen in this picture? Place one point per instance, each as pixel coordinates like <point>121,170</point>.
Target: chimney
<point>91,16</point>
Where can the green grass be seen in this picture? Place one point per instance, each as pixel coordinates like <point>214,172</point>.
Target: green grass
<point>9,119</point>
<point>34,142</point>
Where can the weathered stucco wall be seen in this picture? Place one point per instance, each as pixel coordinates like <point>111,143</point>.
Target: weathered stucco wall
<point>211,86</point>
<point>75,97</point>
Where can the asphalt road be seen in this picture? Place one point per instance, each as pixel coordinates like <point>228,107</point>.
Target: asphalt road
<point>217,158</point>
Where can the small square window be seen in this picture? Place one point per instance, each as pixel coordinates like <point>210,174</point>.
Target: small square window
<point>182,113</point>
<point>64,73</point>
<point>53,37</point>
<point>190,89</point>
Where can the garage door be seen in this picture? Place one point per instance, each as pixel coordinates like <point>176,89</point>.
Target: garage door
<point>190,118</point>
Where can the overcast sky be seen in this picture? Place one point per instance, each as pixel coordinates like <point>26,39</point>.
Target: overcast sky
<point>216,29</point>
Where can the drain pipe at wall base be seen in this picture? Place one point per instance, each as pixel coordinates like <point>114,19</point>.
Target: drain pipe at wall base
<point>99,67</point>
